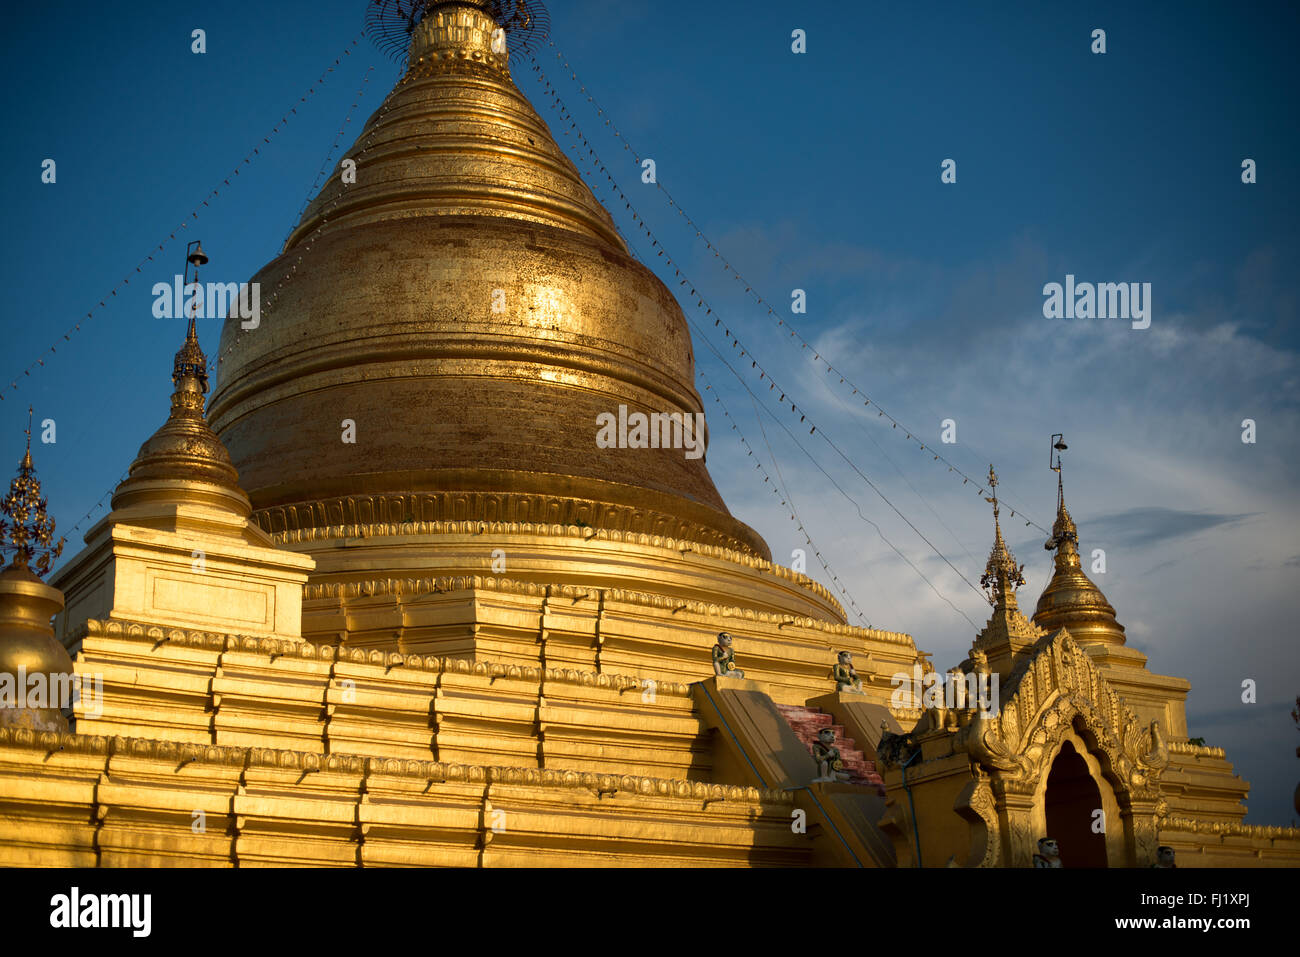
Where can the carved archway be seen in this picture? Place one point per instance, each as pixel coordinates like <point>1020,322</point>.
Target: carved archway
<point>1054,697</point>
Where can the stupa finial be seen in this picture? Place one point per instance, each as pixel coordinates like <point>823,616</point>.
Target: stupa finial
<point>190,367</point>
<point>393,24</point>
<point>1071,599</point>
<point>1065,537</point>
<point>1002,576</point>
<point>27,455</point>
<point>26,528</point>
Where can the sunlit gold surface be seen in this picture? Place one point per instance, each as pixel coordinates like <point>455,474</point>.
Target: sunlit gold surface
<point>184,461</point>
<point>27,642</point>
<point>462,412</point>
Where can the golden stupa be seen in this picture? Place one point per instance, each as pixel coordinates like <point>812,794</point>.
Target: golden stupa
<point>1070,598</point>
<point>389,603</point>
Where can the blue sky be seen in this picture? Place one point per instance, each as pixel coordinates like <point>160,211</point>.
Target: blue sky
<point>817,171</point>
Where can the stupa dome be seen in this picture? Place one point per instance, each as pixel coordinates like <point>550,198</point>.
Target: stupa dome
<point>470,307</point>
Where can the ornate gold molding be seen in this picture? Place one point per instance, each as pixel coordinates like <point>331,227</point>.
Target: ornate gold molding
<point>1230,828</point>
<point>586,534</point>
<point>276,648</point>
<point>458,62</point>
<point>976,803</point>
<point>149,749</point>
<point>1196,750</point>
<point>458,40</point>
<point>420,586</point>
<point>356,516</point>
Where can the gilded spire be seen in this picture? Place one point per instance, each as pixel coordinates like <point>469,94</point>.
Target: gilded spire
<point>1070,599</point>
<point>184,461</point>
<point>26,528</point>
<point>190,367</point>
<point>1065,537</point>
<point>457,138</point>
<point>1002,576</point>
<point>191,363</point>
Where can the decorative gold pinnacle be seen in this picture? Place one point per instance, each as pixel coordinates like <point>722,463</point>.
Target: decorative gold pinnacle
<point>1002,576</point>
<point>190,368</point>
<point>26,528</point>
<point>189,375</point>
<point>184,461</point>
<point>1071,599</point>
<point>1065,536</point>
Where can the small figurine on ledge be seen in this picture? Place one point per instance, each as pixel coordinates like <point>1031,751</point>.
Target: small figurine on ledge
<point>829,765</point>
<point>846,679</point>
<point>724,658</point>
<point>1164,858</point>
<point>1049,854</point>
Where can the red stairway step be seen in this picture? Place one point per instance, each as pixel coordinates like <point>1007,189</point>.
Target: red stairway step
<point>808,722</point>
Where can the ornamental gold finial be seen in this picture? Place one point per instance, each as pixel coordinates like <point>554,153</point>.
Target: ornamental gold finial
<point>993,487</point>
<point>27,455</point>
<point>26,528</point>
<point>190,368</point>
<point>1065,536</point>
<point>184,462</point>
<point>391,25</point>
<point>1071,599</point>
<point>1002,576</point>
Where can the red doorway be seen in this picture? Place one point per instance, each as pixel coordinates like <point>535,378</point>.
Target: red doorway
<point>1073,802</point>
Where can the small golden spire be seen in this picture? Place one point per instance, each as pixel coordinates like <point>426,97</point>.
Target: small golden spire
<point>1071,599</point>
<point>1065,536</point>
<point>27,456</point>
<point>26,528</point>
<point>189,377</point>
<point>190,368</point>
<point>1002,576</point>
<point>185,461</point>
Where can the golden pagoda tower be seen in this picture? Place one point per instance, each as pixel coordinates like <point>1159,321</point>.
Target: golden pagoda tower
<point>501,314</point>
<point>436,420</point>
<point>390,602</point>
<point>507,630</point>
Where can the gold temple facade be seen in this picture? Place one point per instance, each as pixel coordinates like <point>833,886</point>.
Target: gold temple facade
<point>471,637</point>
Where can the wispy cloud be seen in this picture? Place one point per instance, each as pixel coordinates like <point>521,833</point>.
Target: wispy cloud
<point>1153,524</point>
